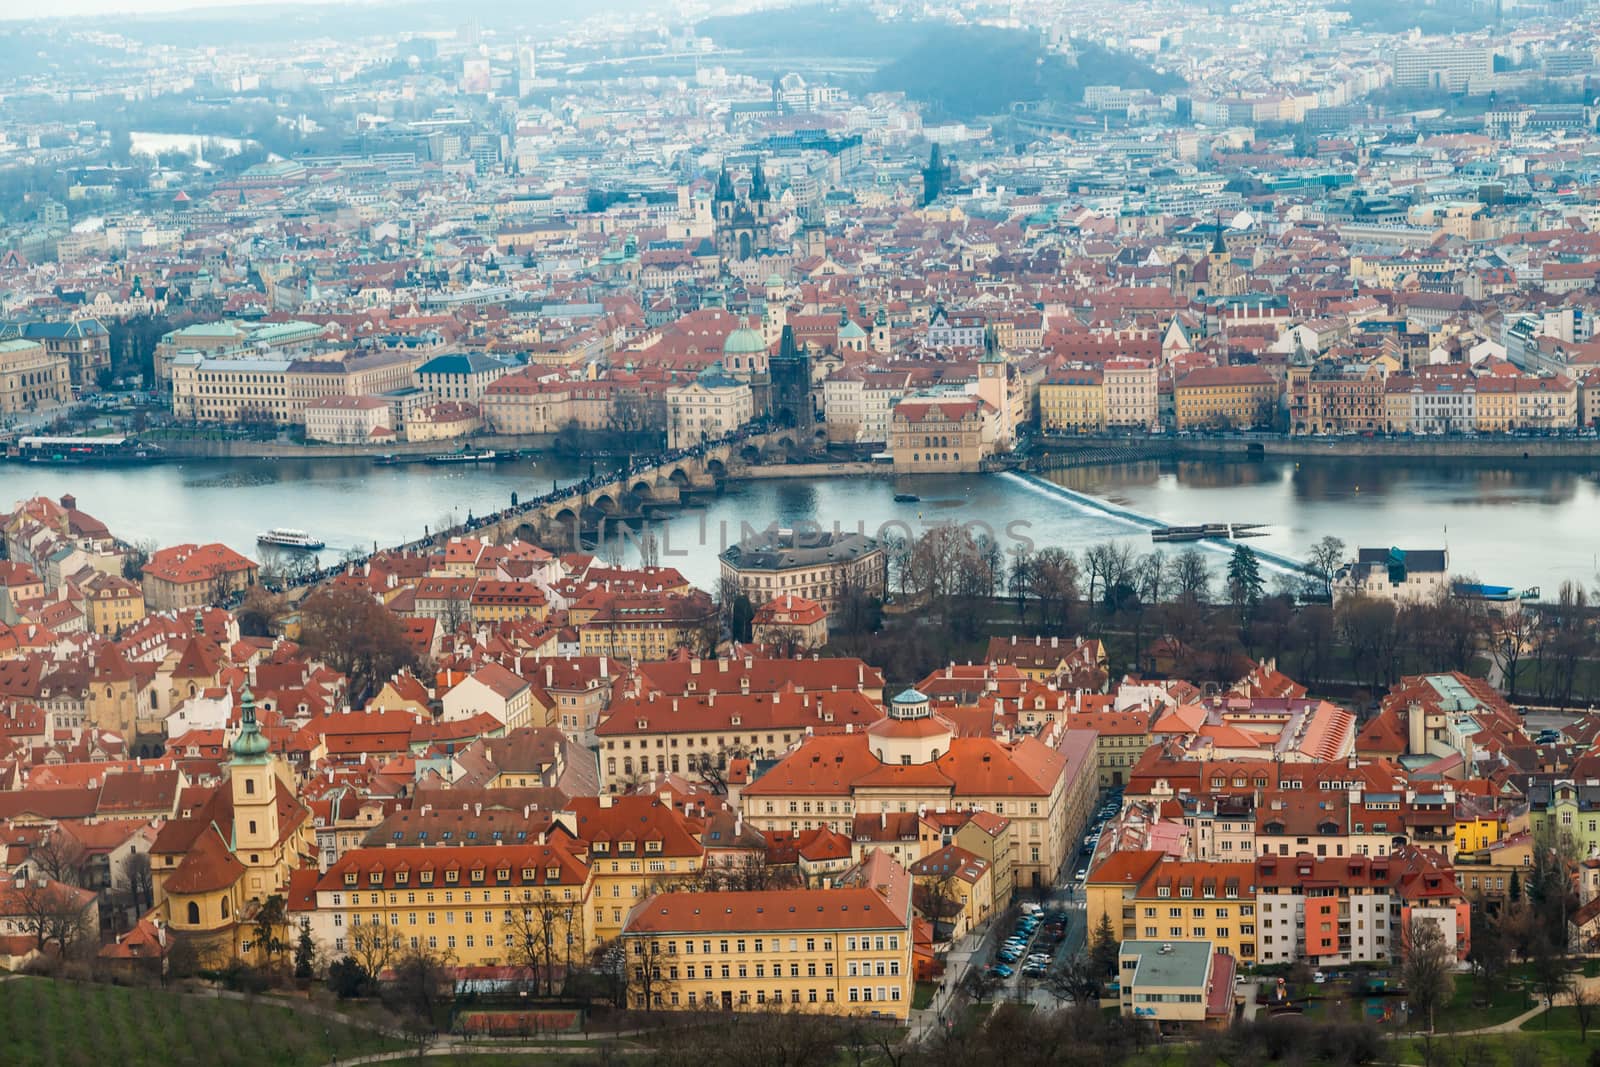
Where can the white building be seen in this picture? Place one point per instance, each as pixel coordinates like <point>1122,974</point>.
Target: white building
<point>349,420</point>
<point>707,408</point>
<point>1397,574</point>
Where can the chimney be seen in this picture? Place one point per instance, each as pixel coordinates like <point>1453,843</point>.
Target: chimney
<point>694,665</point>
<point>883,820</point>
<point>605,800</point>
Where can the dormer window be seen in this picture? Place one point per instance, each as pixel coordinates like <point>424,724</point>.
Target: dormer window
<point>552,874</point>
<point>350,878</point>
<point>402,877</point>
<point>527,874</point>
<point>503,874</point>
<point>652,846</point>
<point>625,847</point>
<point>477,875</point>
<point>427,877</point>
<point>452,876</point>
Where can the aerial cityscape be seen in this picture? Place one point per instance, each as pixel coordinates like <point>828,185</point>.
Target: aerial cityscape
<point>812,534</point>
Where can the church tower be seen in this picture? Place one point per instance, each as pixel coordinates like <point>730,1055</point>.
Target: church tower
<point>1220,264</point>
<point>881,342</point>
<point>253,778</point>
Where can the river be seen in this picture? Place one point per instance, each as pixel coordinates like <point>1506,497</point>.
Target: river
<point>1523,527</point>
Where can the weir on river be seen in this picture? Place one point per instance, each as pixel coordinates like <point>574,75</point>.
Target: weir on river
<point>1274,560</point>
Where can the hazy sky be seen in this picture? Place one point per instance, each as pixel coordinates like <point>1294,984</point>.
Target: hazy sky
<point>29,9</point>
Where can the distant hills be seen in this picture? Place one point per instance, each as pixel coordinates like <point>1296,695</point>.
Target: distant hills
<point>960,72</point>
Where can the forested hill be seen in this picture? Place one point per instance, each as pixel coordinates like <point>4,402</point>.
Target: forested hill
<point>959,71</point>
<point>965,71</point>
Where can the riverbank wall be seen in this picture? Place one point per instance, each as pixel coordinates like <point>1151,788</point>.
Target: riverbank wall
<point>1060,453</point>
<point>200,448</point>
<point>1046,454</point>
<point>807,470</point>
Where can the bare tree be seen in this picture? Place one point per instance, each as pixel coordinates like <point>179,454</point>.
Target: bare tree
<point>646,973</point>
<point>1510,638</point>
<point>536,935</point>
<point>1192,575</point>
<point>420,986</point>
<point>54,913</point>
<point>1323,559</point>
<point>1075,980</point>
<point>373,947</point>
<point>1583,1000</point>
<point>938,898</point>
<point>59,857</point>
<point>1425,967</point>
<point>140,882</point>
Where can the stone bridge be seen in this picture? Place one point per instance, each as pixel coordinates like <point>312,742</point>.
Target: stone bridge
<point>653,484</point>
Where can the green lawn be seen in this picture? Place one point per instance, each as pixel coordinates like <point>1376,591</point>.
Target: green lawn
<point>46,1022</point>
<point>1534,1044</point>
<point>1464,1012</point>
<point>922,996</point>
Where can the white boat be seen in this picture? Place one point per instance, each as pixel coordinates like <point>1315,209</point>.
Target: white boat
<point>290,539</point>
<point>464,456</point>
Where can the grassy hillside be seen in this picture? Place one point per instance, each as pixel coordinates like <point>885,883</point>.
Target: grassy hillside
<point>65,1024</point>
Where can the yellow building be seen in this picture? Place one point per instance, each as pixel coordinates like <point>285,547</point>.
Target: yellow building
<point>1474,831</point>
<point>476,904</point>
<point>1121,737</point>
<point>1496,408</point>
<point>649,627</point>
<point>954,887</point>
<point>635,846</point>
<point>1148,896</point>
<point>941,436</point>
<point>31,377</point>
<point>498,601</point>
<point>913,759</point>
<point>1072,401</point>
<point>837,951</point>
<point>1227,396</point>
<point>112,603</point>
<point>212,870</point>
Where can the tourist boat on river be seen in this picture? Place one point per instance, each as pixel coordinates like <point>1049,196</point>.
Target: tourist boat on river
<point>284,538</point>
<point>108,450</point>
<point>465,456</point>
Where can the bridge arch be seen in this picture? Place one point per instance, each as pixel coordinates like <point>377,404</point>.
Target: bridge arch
<point>679,477</point>
<point>716,468</point>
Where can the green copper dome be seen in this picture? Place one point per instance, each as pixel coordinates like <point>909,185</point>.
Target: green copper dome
<point>250,746</point>
<point>744,342</point>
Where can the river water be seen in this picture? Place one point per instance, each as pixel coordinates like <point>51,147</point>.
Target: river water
<point>1523,527</point>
